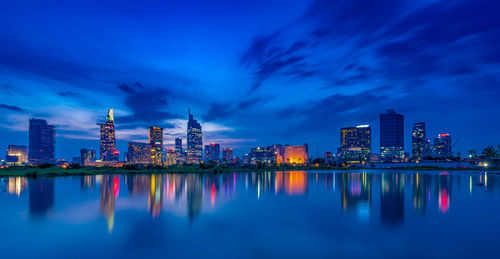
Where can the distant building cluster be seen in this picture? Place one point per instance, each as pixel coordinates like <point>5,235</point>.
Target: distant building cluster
<point>355,147</point>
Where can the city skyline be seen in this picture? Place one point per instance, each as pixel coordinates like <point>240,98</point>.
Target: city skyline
<point>292,75</point>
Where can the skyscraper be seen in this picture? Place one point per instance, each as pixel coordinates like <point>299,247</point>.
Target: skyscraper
<point>42,140</point>
<point>227,155</point>
<point>442,146</point>
<point>356,144</point>
<point>139,153</point>
<point>156,143</point>
<point>418,141</point>
<point>391,136</point>
<point>178,146</point>
<point>212,152</point>
<point>108,150</point>
<point>194,141</point>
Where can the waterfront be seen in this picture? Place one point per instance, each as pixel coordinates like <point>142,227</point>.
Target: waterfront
<point>344,213</point>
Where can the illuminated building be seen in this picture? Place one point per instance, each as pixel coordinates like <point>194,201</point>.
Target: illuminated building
<point>178,146</point>
<point>107,151</point>
<point>261,155</point>
<point>329,157</point>
<point>356,144</point>
<point>139,153</point>
<point>16,155</point>
<point>87,155</point>
<point>171,157</point>
<point>194,141</point>
<point>212,152</point>
<point>42,140</point>
<point>295,154</point>
<point>418,141</point>
<point>391,136</point>
<point>442,146</point>
<point>156,145</point>
<point>227,155</point>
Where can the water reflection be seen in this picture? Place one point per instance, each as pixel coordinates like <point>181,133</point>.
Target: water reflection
<point>379,197</point>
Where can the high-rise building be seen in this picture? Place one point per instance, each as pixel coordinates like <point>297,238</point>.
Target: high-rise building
<point>355,144</point>
<point>442,146</point>
<point>194,141</point>
<point>171,157</point>
<point>418,141</point>
<point>261,155</point>
<point>139,153</point>
<point>16,155</point>
<point>391,136</point>
<point>42,140</point>
<point>178,146</point>
<point>156,144</point>
<point>227,155</point>
<point>107,150</point>
<point>212,152</point>
<point>296,154</point>
<point>87,155</point>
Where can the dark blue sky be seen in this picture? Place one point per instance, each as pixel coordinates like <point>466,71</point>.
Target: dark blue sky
<point>254,72</point>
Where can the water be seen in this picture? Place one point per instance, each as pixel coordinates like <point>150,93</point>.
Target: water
<point>284,214</point>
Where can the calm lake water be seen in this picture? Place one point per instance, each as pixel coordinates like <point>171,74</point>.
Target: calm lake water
<point>272,214</point>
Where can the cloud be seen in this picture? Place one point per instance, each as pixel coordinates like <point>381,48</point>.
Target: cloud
<point>218,111</point>
<point>11,108</point>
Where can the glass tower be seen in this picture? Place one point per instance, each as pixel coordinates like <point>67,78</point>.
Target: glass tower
<point>156,144</point>
<point>418,141</point>
<point>194,141</point>
<point>42,140</point>
<point>355,144</point>
<point>391,136</point>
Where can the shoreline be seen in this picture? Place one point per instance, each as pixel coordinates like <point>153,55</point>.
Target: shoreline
<point>56,171</point>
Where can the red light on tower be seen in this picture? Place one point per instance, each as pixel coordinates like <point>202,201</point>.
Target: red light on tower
<point>116,152</point>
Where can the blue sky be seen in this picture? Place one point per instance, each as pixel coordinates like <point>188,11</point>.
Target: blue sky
<point>254,73</point>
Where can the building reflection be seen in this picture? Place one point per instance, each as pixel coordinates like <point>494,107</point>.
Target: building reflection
<point>421,184</point>
<point>356,194</point>
<point>194,195</point>
<point>444,192</point>
<point>291,183</point>
<point>41,196</point>
<point>110,188</point>
<point>88,183</point>
<point>16,185</point>
<point>155,198</point>
<point>392,198</point>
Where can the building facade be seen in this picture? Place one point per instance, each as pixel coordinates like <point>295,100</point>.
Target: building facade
<point>442,146</point>
<point>355,144</point>
<point>16,155</point>
<point>227,155</point>
<point>178,146</point>
<point>391,136</point>
<point>107,147</point>
<point>194,153</point>
<point>139,153</point>
<point>295,154</point>
<point>87,155</point>
<point>156,143</point>
<point>212,152</point>
<point>418,141</point>
<point>42,142</point>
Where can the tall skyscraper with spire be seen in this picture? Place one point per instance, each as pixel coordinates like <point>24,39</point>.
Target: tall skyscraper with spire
<point>194,141</point>
<point>107,151</point>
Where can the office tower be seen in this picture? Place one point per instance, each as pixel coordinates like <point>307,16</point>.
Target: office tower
<point>261,155</point>
<point>227,155</point>
<point>442,146</point>
<point>212,152</point>
<point>178,146</point>
<point>391,136</point>
<point>87,155</point>
<point>418,141</point>
<point>356,144</point>
<point>194,141</point>
<point>296,154</point>
<point>42,140</point>
<point>171,157</point>
<point>16,155</point>
<point>107,150</point>
<point>156,144</point>
<point>139,153</point>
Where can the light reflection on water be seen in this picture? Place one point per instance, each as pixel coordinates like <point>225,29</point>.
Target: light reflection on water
<point>271,210</point>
